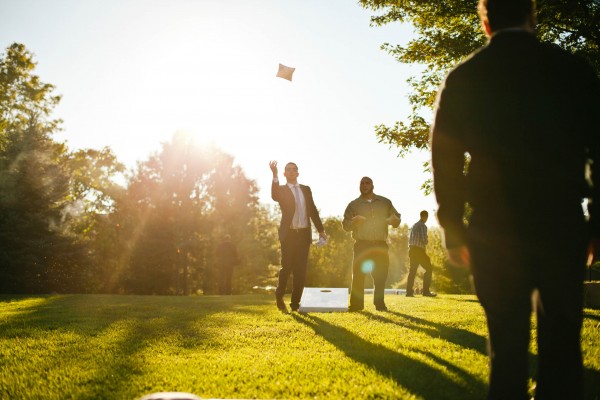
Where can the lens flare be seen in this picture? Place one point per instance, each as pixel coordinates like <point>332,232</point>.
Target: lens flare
<point>367,266</point>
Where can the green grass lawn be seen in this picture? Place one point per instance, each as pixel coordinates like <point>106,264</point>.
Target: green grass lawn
<point>122,347</point>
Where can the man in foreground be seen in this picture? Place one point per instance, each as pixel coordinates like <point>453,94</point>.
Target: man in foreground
<point>527,114</point>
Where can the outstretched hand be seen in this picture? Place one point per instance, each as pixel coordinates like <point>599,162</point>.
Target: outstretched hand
<point>273,166</point>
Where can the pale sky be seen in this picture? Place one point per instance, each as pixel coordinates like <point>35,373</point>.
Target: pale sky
<point>133,72</point>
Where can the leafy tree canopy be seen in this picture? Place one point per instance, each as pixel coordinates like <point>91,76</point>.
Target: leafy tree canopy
<point>50,199</point>
<point>447,31</point>
<point>24,99</point>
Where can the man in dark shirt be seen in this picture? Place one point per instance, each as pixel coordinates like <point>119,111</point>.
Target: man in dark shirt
<point>368,217</point>
<point>527,114</point>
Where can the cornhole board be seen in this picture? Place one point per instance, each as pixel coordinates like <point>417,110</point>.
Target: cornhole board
<point>324,300</point>
<point>387,291</point>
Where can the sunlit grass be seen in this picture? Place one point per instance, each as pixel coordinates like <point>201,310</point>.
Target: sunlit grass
<point>94,346</point>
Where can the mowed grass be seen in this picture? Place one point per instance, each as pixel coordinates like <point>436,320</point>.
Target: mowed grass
<point>123,347</point>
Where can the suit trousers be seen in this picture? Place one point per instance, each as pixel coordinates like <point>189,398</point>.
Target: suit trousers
<point>369,257</point>
<point>509,273</point>
<point>294,258</point>
<point>418,257</point>
<point>225,276</point>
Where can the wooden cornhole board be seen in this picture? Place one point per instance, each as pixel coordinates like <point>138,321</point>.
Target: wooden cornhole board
<point>324,300</point>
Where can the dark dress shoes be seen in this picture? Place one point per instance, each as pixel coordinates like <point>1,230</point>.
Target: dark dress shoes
<point>281,304</point>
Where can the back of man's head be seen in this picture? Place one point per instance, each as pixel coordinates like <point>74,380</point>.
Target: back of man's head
<point>502,14</point>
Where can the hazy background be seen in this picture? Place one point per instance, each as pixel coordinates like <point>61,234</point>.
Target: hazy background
<point>134,72</point>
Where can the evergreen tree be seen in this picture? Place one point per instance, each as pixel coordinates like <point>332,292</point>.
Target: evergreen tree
<point>37,255</point>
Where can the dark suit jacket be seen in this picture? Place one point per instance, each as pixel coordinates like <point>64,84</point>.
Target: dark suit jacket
<point>528,114</point>
<point>284,196</point>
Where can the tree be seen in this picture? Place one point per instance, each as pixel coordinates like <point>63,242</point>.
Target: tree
<point>37,254</point>
<point>331,265</point>
<point>234,210</point>
<point>179,204</point>
<point>53,203</point>
<point>25,101</point>
<point>258,245</point>
<point>398,251</point>
<point>94,196</point>
<point>163,219</point>
<point>447,31</point>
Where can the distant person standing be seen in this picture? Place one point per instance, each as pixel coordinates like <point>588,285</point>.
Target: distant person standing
<point>295,234</point>
<point>417,243</point>
<point>227,258</point>
<point>528,115</point>
<point>368,217</point>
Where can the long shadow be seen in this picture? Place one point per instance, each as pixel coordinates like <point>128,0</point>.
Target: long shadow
<point>460,337</point>
<point>414,375</point>
<point>119,324</point>
<point>589,315</point>
<point>463,338</point>
<point>468,339</point>
<point>58,315</point>
<point>462,300</point>
<point>7,298</point>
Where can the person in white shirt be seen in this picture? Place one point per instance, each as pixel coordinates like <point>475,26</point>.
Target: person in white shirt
<point>295,235</point>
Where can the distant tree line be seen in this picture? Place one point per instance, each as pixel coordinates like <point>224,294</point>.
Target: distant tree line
<point>76,221</point>
<point>331,265</point>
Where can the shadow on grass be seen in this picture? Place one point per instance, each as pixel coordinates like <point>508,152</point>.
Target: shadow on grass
<point>8,298</point>
<point>591,316</point>
<point>460,337</point>
<point>478,343</point>
<point>61,317</point>
<point>107,335</point>
<point>462,300</point>
<point>90,314</point>
<point>414,375</point>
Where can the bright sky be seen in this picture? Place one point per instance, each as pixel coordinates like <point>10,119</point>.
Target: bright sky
<point>132,72</point>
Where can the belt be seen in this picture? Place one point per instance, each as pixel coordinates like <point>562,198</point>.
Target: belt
<point>298,229</point>
<point>378,242</point>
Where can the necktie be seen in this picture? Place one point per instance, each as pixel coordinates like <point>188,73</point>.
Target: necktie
<point>299,214</point>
